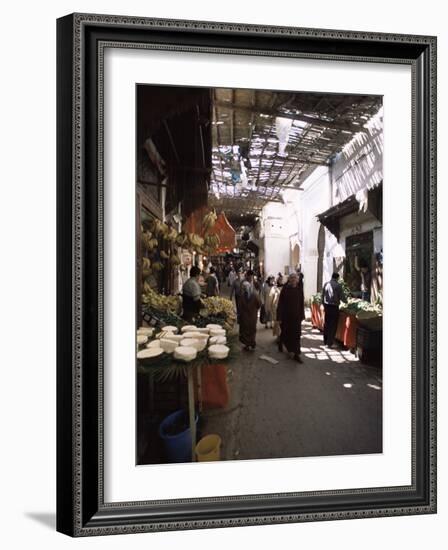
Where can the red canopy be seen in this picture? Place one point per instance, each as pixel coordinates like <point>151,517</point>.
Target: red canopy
<point>222,228</point>
<point>225,232</point>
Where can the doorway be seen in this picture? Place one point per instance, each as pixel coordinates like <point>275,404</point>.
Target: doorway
<point>295,256</point>
<point>358,254</point>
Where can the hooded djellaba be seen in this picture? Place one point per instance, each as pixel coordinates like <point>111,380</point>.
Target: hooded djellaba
<point>248,305</point>
<point>290,314</point>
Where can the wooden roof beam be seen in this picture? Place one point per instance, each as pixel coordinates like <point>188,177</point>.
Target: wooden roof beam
<point>218,142</point>
<point>346,126</point>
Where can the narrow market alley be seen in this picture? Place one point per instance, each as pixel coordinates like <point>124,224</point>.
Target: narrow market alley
<point>259,216</point>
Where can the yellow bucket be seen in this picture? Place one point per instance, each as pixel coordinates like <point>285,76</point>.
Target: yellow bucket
<point>208,448</point>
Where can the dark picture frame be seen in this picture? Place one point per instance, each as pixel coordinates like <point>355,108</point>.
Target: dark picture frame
<point>81,509</point>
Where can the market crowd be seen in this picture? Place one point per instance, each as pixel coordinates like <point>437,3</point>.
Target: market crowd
<point>278,302</point>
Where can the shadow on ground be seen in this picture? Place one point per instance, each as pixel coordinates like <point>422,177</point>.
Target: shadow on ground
<point>331,404</point>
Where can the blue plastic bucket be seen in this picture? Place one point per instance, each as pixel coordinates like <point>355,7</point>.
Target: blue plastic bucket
<point>178,446</point>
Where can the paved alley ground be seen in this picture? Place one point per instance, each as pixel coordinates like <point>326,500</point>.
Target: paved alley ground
<point>329,405</point>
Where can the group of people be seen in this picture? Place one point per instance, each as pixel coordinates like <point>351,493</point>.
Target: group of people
<point>282,309</point>
<point>281,303</point>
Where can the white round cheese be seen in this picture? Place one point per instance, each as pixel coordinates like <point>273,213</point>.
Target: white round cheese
<point>174,337</point>
<point>195,343</point>
<point>212,326</point>
<point>153,344</point>
<point>218,340</point>
<point>168,345</point>
<point>149,353</point>
<point>203,330</point>
<point>141,339</point>
<point>188,328</point>
<point>218,351</point>
<point>217,332</point>
<point>163,333</point>
<point>145,331</point>
<point>185,353</point>
<point>170,328</point>
<point>198,335</point>
<point>200,343</point>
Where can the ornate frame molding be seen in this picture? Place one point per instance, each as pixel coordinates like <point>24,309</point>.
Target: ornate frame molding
<point>82,39</point>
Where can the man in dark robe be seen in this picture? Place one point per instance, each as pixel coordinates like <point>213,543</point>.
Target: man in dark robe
<point>235,288</point>
<point>290,314</point>
<point>248,305</point>
<point>212,285</point>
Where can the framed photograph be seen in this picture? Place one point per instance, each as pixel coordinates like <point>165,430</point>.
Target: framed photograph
<point>246,274</point>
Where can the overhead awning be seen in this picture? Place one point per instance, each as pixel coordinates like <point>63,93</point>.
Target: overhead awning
<point>331,217</point>
<point>265,141</point>
<point>226,234</point>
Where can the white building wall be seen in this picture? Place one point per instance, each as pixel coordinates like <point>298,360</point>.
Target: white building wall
<point>295,222</point>
<point>315,199</point>
<point>333,250</point>
<point>356,169</point>
<point>274,237</point>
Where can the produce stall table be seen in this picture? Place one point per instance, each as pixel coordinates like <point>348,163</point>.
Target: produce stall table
<point>347,329</point>
<point>347,325</point>
<point>317,316</point>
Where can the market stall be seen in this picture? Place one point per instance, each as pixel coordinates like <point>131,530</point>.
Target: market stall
<point>347,329</point>
<point>317,312</point>
<point>168,347</point>
<point>357,322</point>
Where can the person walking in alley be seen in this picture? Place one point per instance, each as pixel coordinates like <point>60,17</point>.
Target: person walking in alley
<point>280,279</point>
<point>235,292</point>
<point>248,304</point>
<point>231,276</point>
<point>212,285</point>
<point>331,297</point>
<point>290,314</point>
<point>266,302</point>
<point>273,303</point>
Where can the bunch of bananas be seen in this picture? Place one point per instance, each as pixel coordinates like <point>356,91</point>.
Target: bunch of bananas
<point>174,259</point>
<point>164,255</point>
<point>146,267</point>
<point>196,241</point>
<point>212,242</point>
<point>147,225</point>
<point>171,235</point>
<point>160,228</point>
<point>209,220</point>
<point>215,305</point>
<point>157,266</point>
<point>182,240</point>
<point>159,302</point>
<point>148,241</point>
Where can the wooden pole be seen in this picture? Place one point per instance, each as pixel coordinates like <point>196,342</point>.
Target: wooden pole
<point>199,379</point>
<point>191,410</point>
